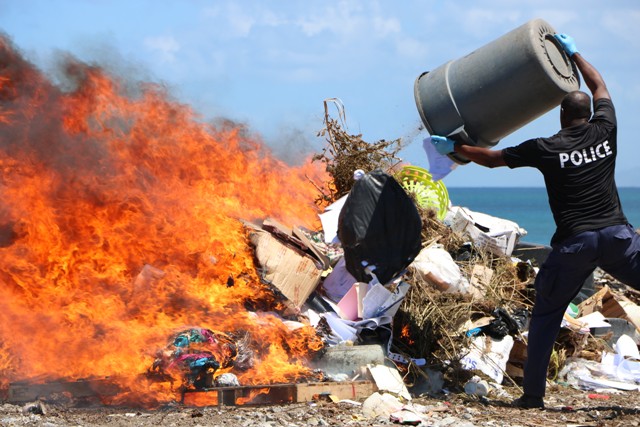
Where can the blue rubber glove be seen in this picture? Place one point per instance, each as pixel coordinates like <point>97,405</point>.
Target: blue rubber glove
<point>443,144</point>
<point>567,42</point>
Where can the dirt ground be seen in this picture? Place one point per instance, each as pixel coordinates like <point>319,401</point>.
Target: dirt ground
<point>565,407</point>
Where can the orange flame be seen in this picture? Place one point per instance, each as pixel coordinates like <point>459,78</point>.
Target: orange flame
<point>120,226</point>
<point>252,395</point>
<point>406,335</point>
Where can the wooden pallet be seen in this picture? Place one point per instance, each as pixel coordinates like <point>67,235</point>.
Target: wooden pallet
<point>278,393</point>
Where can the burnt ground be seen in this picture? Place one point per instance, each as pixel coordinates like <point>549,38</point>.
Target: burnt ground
<point>565,407</point>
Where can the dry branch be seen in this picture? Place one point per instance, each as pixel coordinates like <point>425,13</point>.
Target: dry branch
<point>346,153</point>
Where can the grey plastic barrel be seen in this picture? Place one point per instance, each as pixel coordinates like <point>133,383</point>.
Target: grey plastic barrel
<point>495,90</point>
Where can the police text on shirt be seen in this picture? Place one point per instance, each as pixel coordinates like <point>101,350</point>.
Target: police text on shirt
<point>586,155</point>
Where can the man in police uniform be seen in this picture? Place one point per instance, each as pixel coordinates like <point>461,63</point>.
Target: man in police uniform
<point>578,165</point>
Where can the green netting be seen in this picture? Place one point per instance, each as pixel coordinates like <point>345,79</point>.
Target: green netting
<point>427,192</point>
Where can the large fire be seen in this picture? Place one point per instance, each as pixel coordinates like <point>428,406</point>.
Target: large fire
<point>119,226</point>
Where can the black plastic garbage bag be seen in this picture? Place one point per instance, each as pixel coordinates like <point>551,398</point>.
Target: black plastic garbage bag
<point>505,323</point>
<point>379,224</point>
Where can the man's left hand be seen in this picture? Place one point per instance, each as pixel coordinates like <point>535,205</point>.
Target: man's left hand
<point>443,144</point>
<point>568,44</point>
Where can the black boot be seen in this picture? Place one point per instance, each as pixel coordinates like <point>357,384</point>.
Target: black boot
<point>528,402</point>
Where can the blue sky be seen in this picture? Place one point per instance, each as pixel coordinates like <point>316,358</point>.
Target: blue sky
<point>270,64</point>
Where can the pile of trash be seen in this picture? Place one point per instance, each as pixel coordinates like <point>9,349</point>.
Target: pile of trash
<point>385,269</point>
<point>447,292</point>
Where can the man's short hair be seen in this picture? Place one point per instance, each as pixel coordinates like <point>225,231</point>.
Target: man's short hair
<point>576,105</point>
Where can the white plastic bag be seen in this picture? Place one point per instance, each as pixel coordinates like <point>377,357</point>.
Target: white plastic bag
<point>489,355</point>
<point>435,260</point>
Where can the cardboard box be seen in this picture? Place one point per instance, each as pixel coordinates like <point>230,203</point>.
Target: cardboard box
<point>611,306</point>
<point>496,235</point>
<point>285,266</point>
<point>603,301</point>
<point>514,371</point>
<point>518,354</point>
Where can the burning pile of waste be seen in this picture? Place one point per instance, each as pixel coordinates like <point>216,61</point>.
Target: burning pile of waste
<point>121,224</point>
<point>195,355</point>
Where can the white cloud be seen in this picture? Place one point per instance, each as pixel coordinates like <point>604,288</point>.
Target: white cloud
<point>624,25</point>
<point>239,21</point>
<point>482,22</point>
<point>560,19</point>
<point>409,47</point>
<point>271,19</point>
<point>348,20</point>
<point>305,43</point>
<point>385,26</point>
<point>166,46</point>
<point>314,25</point>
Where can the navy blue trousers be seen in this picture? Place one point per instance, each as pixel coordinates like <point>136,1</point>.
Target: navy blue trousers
<point>615,249</point>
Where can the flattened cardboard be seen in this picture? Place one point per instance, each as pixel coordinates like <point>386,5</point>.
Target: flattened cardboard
<point>293,272</point>
<point>389,379</point>
<point>296,237</point>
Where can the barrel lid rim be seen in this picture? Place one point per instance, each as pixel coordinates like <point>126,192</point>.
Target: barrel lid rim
<point>564,69</point>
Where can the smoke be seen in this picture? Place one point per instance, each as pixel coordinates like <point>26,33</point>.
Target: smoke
<point>293,145</point>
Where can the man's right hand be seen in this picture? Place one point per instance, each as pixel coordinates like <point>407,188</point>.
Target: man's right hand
<point>567,43</point>
<point>443,144</point>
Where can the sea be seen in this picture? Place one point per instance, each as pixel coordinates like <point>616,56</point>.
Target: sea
<point>529,208</point>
